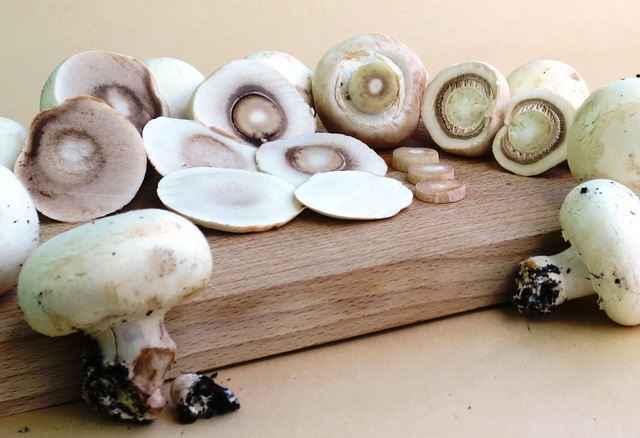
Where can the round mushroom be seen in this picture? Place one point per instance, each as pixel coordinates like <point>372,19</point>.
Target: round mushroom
<point>19,228</point>
<point>600,219</point>
<point>120,80</point>
<point>81,160</point>
<point>115,279</point>
<point>12,135</point>
<point>253,101</point>
<point>370,87</point>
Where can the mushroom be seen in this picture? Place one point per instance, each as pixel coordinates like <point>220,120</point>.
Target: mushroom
<point>19,229</point>
<point>176,81</point>
<point>174,144</point>
<point>198,396</point>
<point>463,107</point>
<point>604,140</point>
<point>291,68</point>
<point>254,101</point>
<point>12,136</point>
<point>599,219</point>
<point>120,80</point>
<point>296,159</point>
<point>81,160</point>
<point>370,87</point>
<point>544,98</point>
<point>233,200</point>
<point>115,279</point>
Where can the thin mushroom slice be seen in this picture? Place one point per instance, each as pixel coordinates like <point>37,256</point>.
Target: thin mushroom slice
<point>404,156</point>
<point>81,160</point>
<point>120,80</point>
<point>429,172</point>
<point>233,200</point>
<point>296,159</point>
<point>174,144</point>
<point>440,192</point>
<point>12,135</point>
<point>463,107</point>
<point>253,101</point>
<point>354,195</point>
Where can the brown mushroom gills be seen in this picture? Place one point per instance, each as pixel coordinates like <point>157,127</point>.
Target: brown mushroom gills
<point>373,88</point>
<point>462,104</point>
<point>257,117</point>
<point>313,159</point>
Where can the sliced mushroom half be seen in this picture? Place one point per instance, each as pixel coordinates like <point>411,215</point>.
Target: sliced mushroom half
<point>254,101</point>
<point>81,160</point>
<point>296,159</point>
<point>370,87</point>
<point>174,144</point>
<point>233,200</point>
<point>120,80</point>
<point>463,107</point>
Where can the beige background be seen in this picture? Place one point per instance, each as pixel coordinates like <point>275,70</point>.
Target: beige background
<point>489,373</point>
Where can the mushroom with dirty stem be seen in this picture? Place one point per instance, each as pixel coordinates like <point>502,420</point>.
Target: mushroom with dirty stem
<point>12,135</point>
<point>599,219</point>
<point>115,279</point>
<point>198,396</point>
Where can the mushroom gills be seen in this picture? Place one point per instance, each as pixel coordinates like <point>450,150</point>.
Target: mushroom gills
<point>462,106</point>
<point>257,116</point>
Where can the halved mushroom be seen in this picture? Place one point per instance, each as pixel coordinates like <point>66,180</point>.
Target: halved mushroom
<point>370,87</point>
<point>81,160</point>
<point>296,159</point>
<point>233,200</point>
<point>545,97</point>
<point>463,107</point>
<point>12,135</point>
<point>353,194</point>
<point>120,80</point>
<point>291,68</point>
<point>254,101</point>
<point>176,81</point>
<point>174,144</point>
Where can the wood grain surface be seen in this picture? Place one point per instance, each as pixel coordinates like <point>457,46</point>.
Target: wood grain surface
<point>318,280</point>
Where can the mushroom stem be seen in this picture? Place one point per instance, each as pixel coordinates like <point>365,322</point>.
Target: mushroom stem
<point>374,87</point>
<point>126,366</point>
<point>544,282</point>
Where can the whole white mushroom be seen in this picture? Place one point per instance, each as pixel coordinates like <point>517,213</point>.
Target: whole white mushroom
<point>12,135</point>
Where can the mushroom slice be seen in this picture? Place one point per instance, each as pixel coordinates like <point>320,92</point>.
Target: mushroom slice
<point>353,194</point>
<point>463,107</point>
<point>176,81</point>
<point>291,68</point>
<point>440,192</point>
<point>370,87</point>
<point>233,200</point>
<point>545,97</point>
<point>254,101</point>
<point>19,228</point>
<point>12,135</point>
<point>120,80</point>
<point>429,172</point>
<point>296,159</point>
<point>174,144</point>
<point>405,156</point>
<point>81,160</point>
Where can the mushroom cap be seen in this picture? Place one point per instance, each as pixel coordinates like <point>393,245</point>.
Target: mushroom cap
<point>117,268</point>
<point>81,160</point>
<point>12,135</point>
<point>296,159</point>
<point>601,219</point>
<point>174,144</point>
<point>19,230</point>
<point>604,139</point>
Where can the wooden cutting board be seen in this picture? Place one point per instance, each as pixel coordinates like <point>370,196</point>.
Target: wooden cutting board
<point>318,280</point>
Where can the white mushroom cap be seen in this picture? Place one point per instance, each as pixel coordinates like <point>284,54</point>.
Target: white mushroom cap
<point>601,219</point>
<point>176,81</point>
<point>174,144</point>
<point>12,135</point>
<point>296,159</point>
<point>19,230</point>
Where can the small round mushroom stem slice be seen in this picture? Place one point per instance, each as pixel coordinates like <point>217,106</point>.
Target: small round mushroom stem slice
<point>174,144</point>
<point>120,80</point>
<point>429,172</point>
<point>291,68</point>
<point>198,396</point>
<point>370,87</point>
<point>81,160</point>
<point>440,192</point>
<point>19,228</point>
<point>233,200</point>
<point>254,101</point>
<point>176,81</point>
<point>463,107</point>
<point>355,195</point>
<point>296,159</point>
<point>405,156</point>
<point>12,135</point>
<point>115,279</point>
